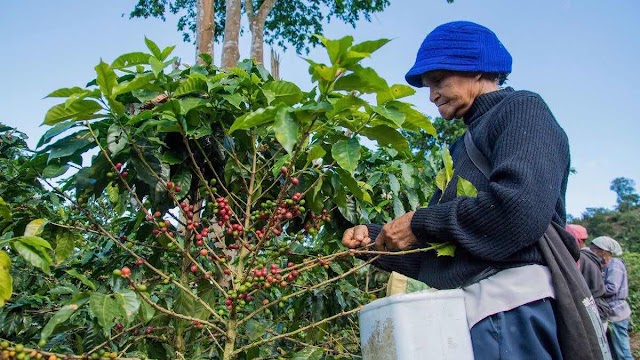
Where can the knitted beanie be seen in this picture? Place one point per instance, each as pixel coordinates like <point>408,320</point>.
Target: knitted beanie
<point>460,46</point>
<point>608,244</point>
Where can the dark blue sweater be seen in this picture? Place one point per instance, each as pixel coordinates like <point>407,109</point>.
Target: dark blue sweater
<point>529,155</point>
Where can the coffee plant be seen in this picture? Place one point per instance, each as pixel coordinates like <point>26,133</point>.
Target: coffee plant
<point>204,209</point>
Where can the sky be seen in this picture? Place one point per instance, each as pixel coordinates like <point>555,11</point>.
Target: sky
<point>581,56</point>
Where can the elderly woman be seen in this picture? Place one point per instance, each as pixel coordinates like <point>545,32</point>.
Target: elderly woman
<point>616,293</point>
<point>507,287</point>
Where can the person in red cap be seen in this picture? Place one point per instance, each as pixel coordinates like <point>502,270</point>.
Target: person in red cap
<point>591,266</point>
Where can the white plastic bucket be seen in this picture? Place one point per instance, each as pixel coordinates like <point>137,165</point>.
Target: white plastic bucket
<point>425,325</point>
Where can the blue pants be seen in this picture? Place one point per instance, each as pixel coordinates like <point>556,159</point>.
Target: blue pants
<point>526,332</point>
<point>620,347</point>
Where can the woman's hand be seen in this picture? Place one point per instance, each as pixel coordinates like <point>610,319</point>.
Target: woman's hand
<point>355,237</point>
<point>396,235</point>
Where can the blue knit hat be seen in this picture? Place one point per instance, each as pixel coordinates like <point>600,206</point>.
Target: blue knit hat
<point>460,46</point>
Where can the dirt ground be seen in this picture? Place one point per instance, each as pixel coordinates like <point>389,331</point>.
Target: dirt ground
<point>635,344</point>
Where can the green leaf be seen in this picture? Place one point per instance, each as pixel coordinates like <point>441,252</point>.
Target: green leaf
<point>385,135</point>
<point>255,329</point>
<point>64,314</point>
<point>369,46</point>
<point>146,311</point>
<point>351,183</point>
<point>156,66</point>
<point>444,249</point>
<point>155,50</point>
<point>396,91</point>
<point>196,83</point>
<point>105,309</point>
<point>5,212</point>
<point>189,103</point>
<point>117,139</point>
<point>407,173</point>
<point>394,184</point>
<point>106,78</point>
<point>349,102</point>
<point>398,208</point>
<point>284,91</point>
<point>390,113</point>
<point>337,268</point>
<point>145,115</point>
<point>130,59</point>
<point>286,129</point>
<point>137,83</point>
<point>66,92</point>
<point>416,118</point>
<point>364,80</point>
<point>316,152</point>
<point>34,241</point>
<point>56,130</point>
<point>448,163</point>
<point>113,192</point>
<point>83,279</point>
<point>166,52</point>
<point>465,188</point>
<point>173,158</point>
<point>336,49</point>
<point>35,228</point>
<point>346,153</point>
<point>78,110</point>
<point>65,242</point>
<point>441,180</point>
<point>234,99</point>
<point>116,107</point>
<point>128,301</point>
<point>69,145</point>
<point>412,196</point>
<point>6,282</point>
<point>351,58</point>
<point>259,117</point>
<point>183,179</point>
<point>185,304</point>
<point>96,94</point>
<point>54,170</point>
<point>32,256</point>
<point>321,71</point>
<point>309,353</point>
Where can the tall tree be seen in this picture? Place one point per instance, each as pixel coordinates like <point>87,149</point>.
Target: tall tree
<point>283,23</point>
<point>205,28</point>
<point>627,198</point>
<point>230,47</point>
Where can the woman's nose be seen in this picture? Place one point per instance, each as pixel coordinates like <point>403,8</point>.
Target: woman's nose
<point>433,95</point>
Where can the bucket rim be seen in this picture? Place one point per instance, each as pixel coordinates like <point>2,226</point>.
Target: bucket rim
<point>413,297</point>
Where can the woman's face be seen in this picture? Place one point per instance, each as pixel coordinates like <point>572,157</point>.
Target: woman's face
<point>602,254</point>
<point>454,92</point>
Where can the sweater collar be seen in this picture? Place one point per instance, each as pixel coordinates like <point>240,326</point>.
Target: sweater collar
<point>484,102</point>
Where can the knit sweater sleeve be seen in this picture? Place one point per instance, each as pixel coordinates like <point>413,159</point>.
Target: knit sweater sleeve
<point>530,160</point>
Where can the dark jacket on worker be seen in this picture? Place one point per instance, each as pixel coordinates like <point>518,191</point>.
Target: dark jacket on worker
<point>590,265</point>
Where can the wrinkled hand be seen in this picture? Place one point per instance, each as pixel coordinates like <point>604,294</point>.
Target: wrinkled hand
<point>397,234</point>
<point>355,237</point>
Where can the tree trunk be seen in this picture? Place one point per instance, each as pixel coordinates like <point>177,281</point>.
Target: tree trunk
<point>275,65</point>
<point>256,25</point>
<point>230,47</point>
<point>205,28</point>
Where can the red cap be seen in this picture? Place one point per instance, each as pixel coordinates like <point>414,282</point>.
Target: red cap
<point>577,231</point>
